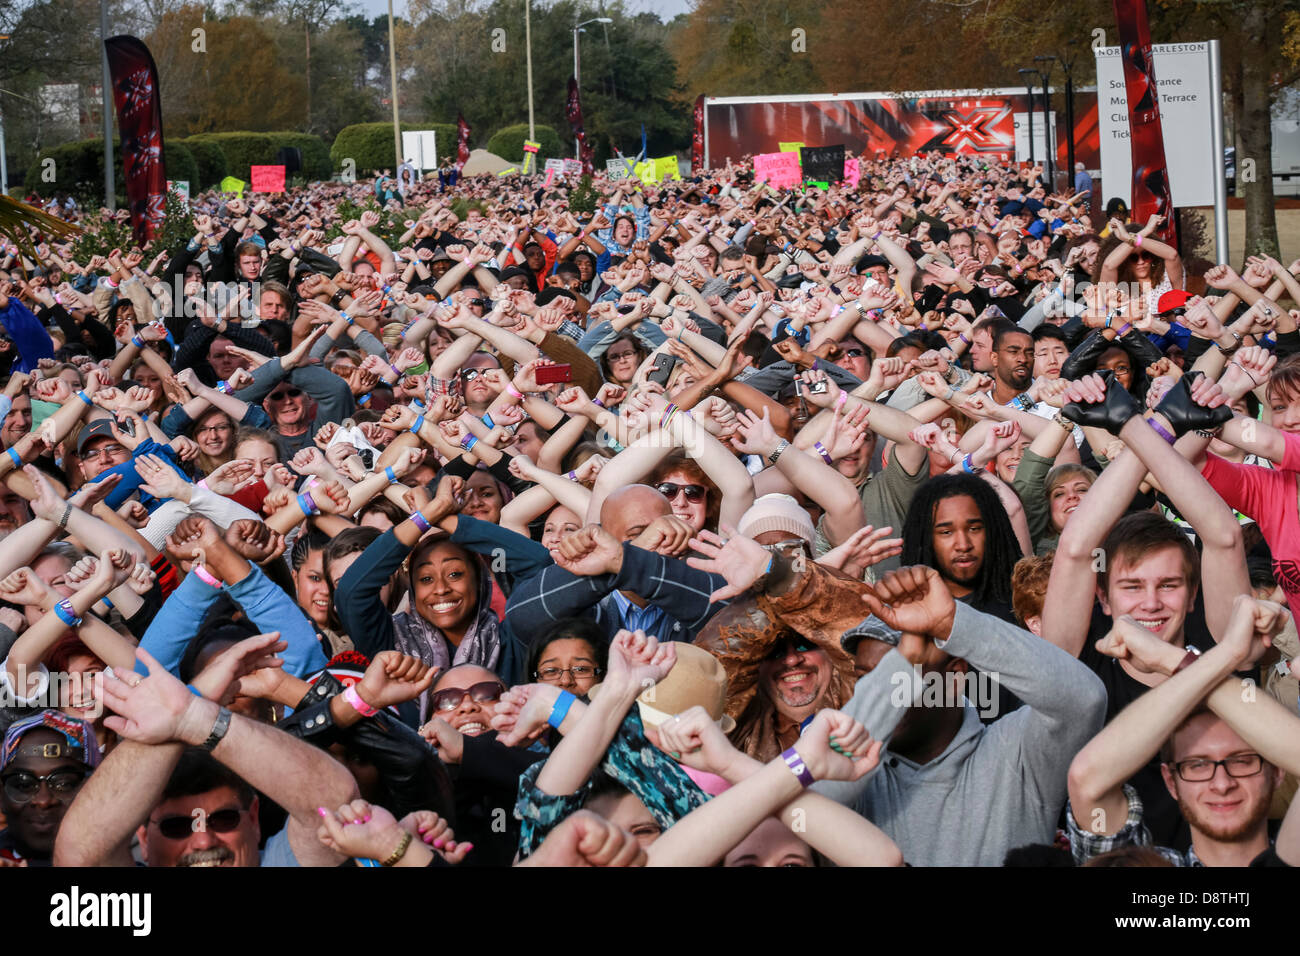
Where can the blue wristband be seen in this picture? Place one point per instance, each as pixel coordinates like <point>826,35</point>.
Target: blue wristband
<point>18,459</point>
<point>487,420</point>
<point>560,709</point>
<point>390,475</point>
<point>307,505</point>
<point>107,603</point>
<point>137,341</point>
<point>63,611</point>
<point>419,423</point>
<point>84,397</point>
<point>967,466</point>
<point>347,318</point>
<point>364,399</point>
<point>469,443</point>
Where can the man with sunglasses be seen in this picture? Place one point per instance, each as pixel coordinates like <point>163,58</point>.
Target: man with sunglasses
<point>299,399</point>
<point>1223,749</point>
<point>46,759</point>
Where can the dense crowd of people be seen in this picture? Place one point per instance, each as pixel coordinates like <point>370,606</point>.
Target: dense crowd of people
<point>936,520</point>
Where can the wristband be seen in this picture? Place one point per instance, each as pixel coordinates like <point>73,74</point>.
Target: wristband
<point>81,394</point>
<point>821,450</point>
<point>421,522</point>
<point>307,505</point>
<point>347,318</point>
<point>223,387</point>
<point>1162,431</point>
<point>968,466</point>
<point>468,442</point>
<point>63,611</point>
<point>798,767</point>
<point>560,709</point>
<point>572,476</point>
<point>360,706</point>
<point>137,341</point>
<point>598,403</point>
<point>419,423</point>
<point>206,576</point>
<point>390,475</point>
<point>17,458</point>
<point>364,400</point>
<point>1188,658</point>
<point>396,371</point>
<point>839,402</point>
<point>402,846</point>
<point>487,420</point>
<point>1137,242</point>
<point>1123,330</point>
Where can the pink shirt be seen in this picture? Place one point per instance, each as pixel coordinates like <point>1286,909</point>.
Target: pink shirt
<point>1271,498</point>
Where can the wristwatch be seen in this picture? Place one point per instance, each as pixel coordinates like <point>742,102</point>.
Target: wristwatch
<point>219,730</point>
<point>781,446</point>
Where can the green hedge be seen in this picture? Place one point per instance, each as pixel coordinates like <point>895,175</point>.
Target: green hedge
<point>243,150</point>
<point>210,159</point>
<point>370,145</point>
<point>79,168</point>
<point>508,143</point>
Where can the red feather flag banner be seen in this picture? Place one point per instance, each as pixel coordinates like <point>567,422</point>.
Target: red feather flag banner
<point>139,123</point>
<point>1151,193</point>
<point>462,141</point>
<point>697,136</point>
<point>573,110</point>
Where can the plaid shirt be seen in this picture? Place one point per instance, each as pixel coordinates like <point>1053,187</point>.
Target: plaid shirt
<point>1084,845</point>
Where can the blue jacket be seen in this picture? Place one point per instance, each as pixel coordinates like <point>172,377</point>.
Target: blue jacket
<point>266,605</point>
<point>30,338</point>
<point>671,586</point>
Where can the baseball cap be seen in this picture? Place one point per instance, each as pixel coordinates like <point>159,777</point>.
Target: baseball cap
<point>99,428</point>
<point>874,628</point>
<point>1173,299</point>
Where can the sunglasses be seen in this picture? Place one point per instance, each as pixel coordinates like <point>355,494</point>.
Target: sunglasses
<point>854,353</point>
<point>287,393</point>
<point>179,828</point>
<point>452,697</point>
<point>669,490</point>
<point>469,374</point>
<point>21,785</point>
<point>799,645</point>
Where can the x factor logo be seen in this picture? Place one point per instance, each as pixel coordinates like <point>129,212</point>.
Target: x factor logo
<point>137,90</point>
<point>973,131</point>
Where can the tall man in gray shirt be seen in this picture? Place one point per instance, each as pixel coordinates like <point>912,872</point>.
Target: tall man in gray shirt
<point>949,790</point>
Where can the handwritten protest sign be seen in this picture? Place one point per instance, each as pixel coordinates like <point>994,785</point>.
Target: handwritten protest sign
<point>267,179</point>
<point>232,185</point>
<point>779,170</point>
<point>851,172</point>
<point>666,168</point>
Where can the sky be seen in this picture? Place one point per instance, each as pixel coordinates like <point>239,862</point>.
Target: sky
<point>666,9</point>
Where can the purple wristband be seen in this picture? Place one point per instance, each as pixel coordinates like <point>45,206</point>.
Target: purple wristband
<point>1162,431</point>
<point>597,402</point>
<point>798,767</point>
<point>821,450</point>
<point>421,522</point>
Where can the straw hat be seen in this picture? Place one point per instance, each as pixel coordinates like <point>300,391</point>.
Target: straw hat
<point>697,678</point>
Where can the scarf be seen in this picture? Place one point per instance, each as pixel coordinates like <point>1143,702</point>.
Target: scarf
<point>481,644</point>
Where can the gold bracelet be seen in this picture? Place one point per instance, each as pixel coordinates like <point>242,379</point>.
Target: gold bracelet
<point>400,851</point>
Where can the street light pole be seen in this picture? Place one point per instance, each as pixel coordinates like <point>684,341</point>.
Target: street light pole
<point>577,76</point>
<point>1047,120</point>
<point>528,54</point>
<point>1068,66</point>
<point>1029,86</point>
<point>110,198</point>
<point>392,80</point>
<point>577,82</point>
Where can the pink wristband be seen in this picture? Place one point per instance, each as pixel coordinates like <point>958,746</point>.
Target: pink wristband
<point>206,576</point>
<point>1137,242</point>
<point>844,397</point>
<point>359,705</point>
<point>203,483</point>
<point>514,392</point>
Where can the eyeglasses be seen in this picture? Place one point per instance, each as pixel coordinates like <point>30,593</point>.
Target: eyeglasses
<point>21,785</point>
<point>287,393</point>
<point>452,697</point>
<point>670,489</point>
<point>481,303</point>
<point>220,821</point>
<point>578,672</point>
<point>1238,765</point>
<point>214,430</point>
<point>104,452</point>
<point>615,356</point>
<point>854,353</point>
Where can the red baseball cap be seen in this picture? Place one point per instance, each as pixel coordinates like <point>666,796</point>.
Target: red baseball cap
<point>1173,299</point>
